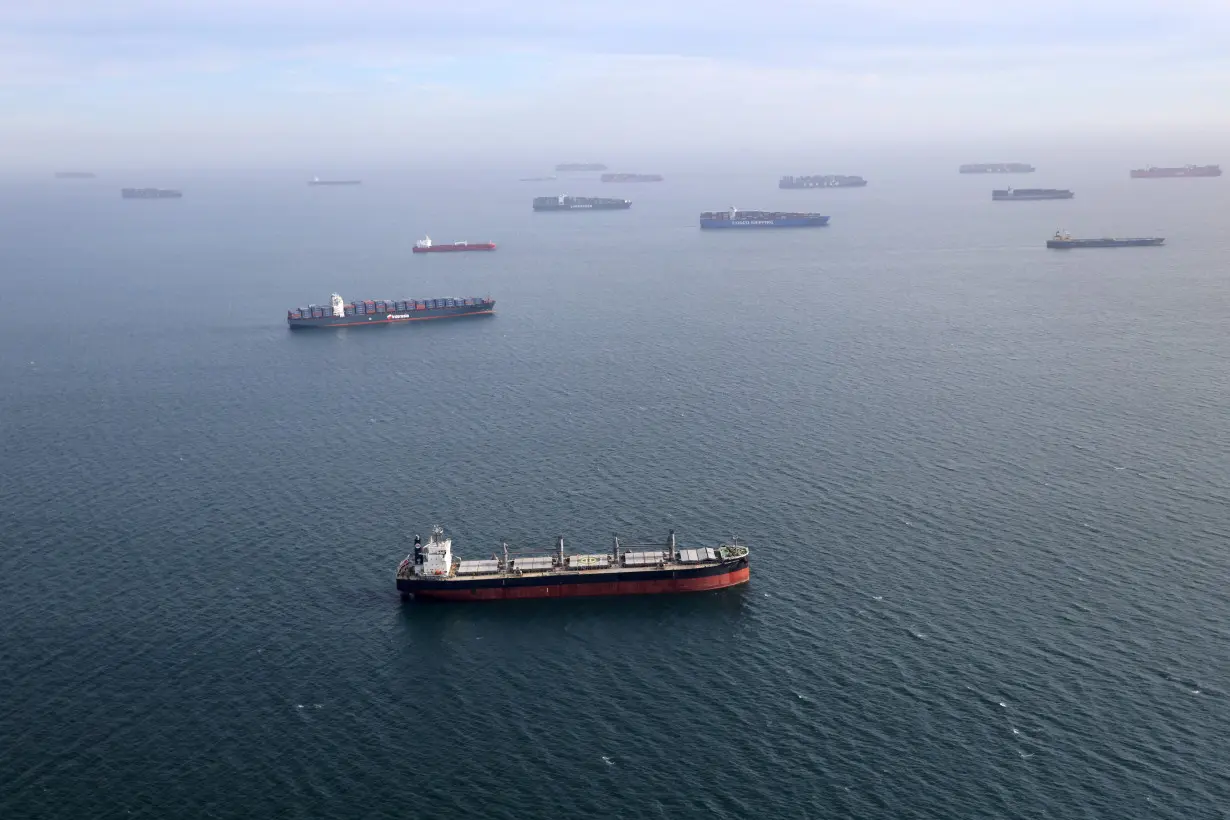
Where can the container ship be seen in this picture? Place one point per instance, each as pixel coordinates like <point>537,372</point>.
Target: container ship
<point>734,218</point>
<point>425,245</point>
<point>385,311</point>
<point>580,166</point>
<point>319,181</point>
<point>1186,171</point>
<point>1021,194</point>
<point>432,573</point>
<point>997,168</point>
<point>822,181</point>
<point>1062,240</point>
<point>580,203</point>
<point>631,177</point>
<point>150,193</point>
<point>75,175</point>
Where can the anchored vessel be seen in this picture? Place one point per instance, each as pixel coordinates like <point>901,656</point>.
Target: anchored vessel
<point>75,174</point>
<point>580,166</point>
<point>431,572</point>
<point>1062,240</point>
<point>580,203</point>
<point>1015,194</point>
<point>536,179</point>
<point>385,311</point>
<point>425,245</point>
<point>1186,171</point>
<point>734,218</point>
<point>997,168</point>
<point>631,177</point>
<point>150,193</point>
<point>825,181</point>
<point>319,181</point>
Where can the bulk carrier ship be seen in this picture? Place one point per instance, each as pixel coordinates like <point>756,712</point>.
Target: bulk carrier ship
<point>432,573</point>
<point>385,311</point>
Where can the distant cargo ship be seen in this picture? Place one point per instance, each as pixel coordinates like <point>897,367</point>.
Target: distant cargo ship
<point>1017,194</point>
<point>822,181</point>
<point>734,218</point>
<point>580,166</point>
<point>1186,171</point>
<point>75,175</point>
<point>432,573</point>
<point>425,245</point>
<point>536,179</point>
<point>1062,240</point>
<point>385,311</point>
<point>319,181</point>
<point>631,177</point>
<point>997,168</point>
<point>150,193</point>
<point>580,203</point>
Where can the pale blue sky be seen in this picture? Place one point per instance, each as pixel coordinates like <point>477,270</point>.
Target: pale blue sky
<point>192,81</point>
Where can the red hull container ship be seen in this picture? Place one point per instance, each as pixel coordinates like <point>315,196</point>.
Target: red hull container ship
<point>425,245</point>
<point>1186,171</point>
<point>432,573</point>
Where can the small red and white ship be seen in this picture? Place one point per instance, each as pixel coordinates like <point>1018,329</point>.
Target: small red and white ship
<point>425,245</point>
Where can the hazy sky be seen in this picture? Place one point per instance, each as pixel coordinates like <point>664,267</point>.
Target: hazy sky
<point>306,81</point>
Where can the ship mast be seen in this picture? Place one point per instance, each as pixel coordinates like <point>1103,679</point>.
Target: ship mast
<point>559,546</point>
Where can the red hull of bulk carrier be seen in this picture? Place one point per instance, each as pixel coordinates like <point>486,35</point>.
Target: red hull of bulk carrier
<point>431,573</point>
<point>454,248</point>
<point>564,590</point>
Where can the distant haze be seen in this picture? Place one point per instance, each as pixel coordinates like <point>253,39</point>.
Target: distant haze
<point>340,85</point>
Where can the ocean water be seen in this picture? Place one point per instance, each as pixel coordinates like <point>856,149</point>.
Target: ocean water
<point>985,486</point>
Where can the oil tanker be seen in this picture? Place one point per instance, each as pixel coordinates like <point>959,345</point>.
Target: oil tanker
<point>425,245</point>
<point>1022,194</point>
<point>431,572</point>
<point>318,181</point>
<point>580,203</point>
<point>1062,240</point>
<point>1186,171</point>
<point>385,311</point>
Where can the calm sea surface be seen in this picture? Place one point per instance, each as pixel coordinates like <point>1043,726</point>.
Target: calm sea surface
<point>985,485</point>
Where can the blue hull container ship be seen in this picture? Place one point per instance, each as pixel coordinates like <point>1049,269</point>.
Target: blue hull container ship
<point>385,311</point>
<point>734,218</point>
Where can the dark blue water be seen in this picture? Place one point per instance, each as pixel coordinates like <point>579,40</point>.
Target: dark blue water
<point>985,485</point>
